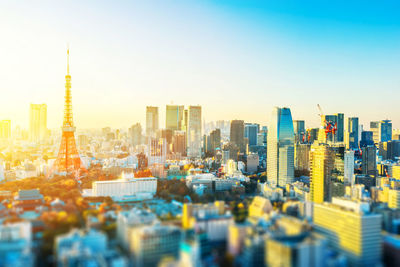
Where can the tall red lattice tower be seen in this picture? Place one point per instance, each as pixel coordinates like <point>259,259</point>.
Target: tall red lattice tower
<point>68,160</point>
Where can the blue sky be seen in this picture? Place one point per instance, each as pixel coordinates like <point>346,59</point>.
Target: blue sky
<point>237,59</point>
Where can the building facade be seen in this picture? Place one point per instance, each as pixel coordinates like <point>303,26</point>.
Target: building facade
<point>37,122</point>
<point>280,148</point>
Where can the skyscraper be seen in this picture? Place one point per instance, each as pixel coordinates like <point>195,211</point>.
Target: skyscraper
<point>237,135</point>
<point>299,130</point>
<point>348,167</point>
<point>179,143</point>
<point>5,129</point>
<point>250,132</point>
<point>382,130</point>
<point>68,160</point>
<point>351,133</point>
<point>338,120</point>
<point>322,158</point>
<point>135,134</point>
<point>151,120</point>
<point>340,127</point>
<point>174,117</point>
<point>367,138</point>
<point>194,131</point>
<point>369,160</point>
<point>37,122</point>
<point>280,148</point>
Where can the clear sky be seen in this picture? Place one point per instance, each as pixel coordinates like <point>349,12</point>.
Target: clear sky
<point>237,59</point>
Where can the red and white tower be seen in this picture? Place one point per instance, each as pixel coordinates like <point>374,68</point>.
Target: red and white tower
<point>68,161</point>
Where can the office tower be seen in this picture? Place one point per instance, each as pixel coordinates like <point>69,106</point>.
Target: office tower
<point>194,131</point>
<point>174,117</point>
<point>68,160</point>
<point>151,121</point>
<point>250,132</point>
<point>374,127</point>
<point>351,229</point>
<point>37,122</point>
<point>185,121</point>
<point>212,142</point>
<point>262,136</point>
<point>311,135</point>
<point>280,148</point>
<point>340,127</point>
<point>349,167</point>
<point>382,130</point>
<point>338,121</point>
<point>322,160</point>
<point>215,139</point>
<point>135,134</point>
<point>369,161</point>
<point>179,143</point>
<point>157,150</point>
<point>393,149</point>
<point>5,129</point>
<point>302,156</point>
<point>366,139</point>
<point>299,130</point>
<point>149,244</point>
<point>237,135</point>
<point>351,133</point>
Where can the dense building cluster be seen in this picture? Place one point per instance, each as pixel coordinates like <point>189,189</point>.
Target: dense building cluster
<point>224,193</point>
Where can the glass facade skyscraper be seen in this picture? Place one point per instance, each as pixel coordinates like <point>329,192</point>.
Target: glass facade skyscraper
<point>280,148</point>
<point>250,132</point>
<point>382,130</point>
<point>352,133</point>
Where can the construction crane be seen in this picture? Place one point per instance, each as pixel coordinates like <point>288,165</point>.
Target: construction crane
<point>329,126</point>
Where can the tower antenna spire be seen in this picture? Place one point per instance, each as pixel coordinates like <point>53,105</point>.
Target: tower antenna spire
<point>68,59</point>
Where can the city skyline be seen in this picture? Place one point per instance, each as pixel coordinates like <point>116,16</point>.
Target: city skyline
<point>285,59</point>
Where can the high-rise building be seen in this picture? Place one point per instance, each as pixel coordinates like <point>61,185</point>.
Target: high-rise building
<point>280,148</point>
<point>322,159</point>
<point>174,117</point>
<point>351,133</point>
<point>151,121</point>
<point>369,161</point>
<point>367,138</point>
<point>212,142</point>
<point>237,135</point>
<point>348,167</point>
<point>351,229</point>
<point>157,150</point>
<point>250,132</point>
<point>135,134</point>
<point>194,131</point>
<point>299,130</point>
<point>382,130</point>
<point>340,127</point>
<point>179,143</point>
<point>302,156</point>
<point>5,129</point>
<point>68,160</point>
<point>390,150</point>
<point>37,122</point>
<point>311,135</point>
<point>338,120</point>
